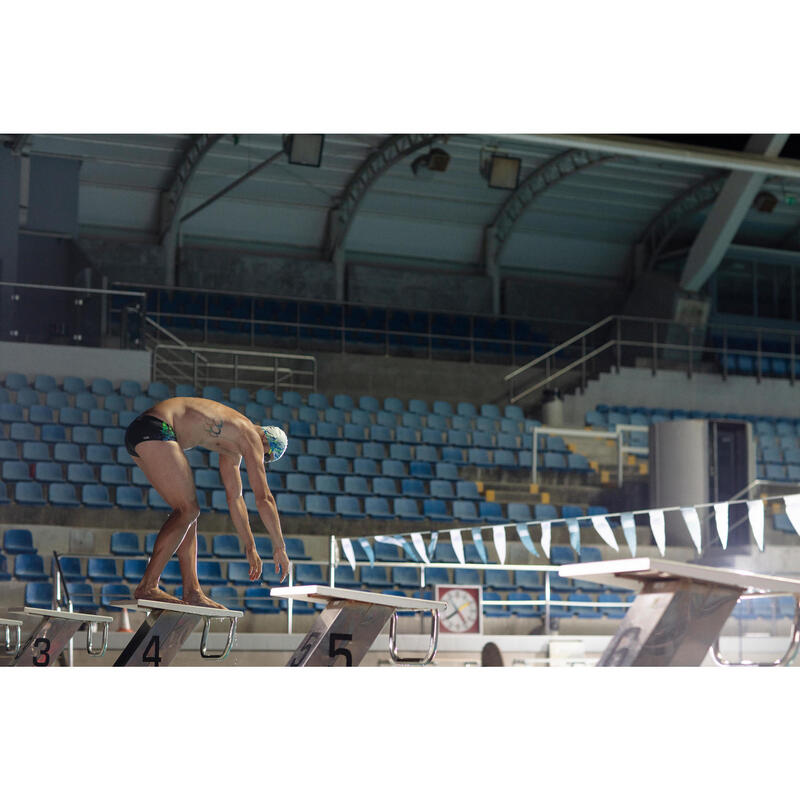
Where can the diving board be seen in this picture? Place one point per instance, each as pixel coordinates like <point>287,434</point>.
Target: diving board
<point>53,633</point>
<point>166,627</point>
<point>351,621</point>
<point>680,609</point>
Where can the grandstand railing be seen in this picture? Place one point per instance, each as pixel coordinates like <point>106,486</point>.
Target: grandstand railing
<point>41,313</point>
<point>176,361</point>
<point>663,344</point>
<point>618,435</point>
<point>295,322</point>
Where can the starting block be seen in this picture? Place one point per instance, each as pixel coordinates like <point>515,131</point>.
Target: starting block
<point>53,633</point>
<point>166,627</point>
<point>679,610</point>
<point>350,623</point>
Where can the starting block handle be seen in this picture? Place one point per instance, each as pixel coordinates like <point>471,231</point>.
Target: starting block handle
<point>784,660</point>
<point>431,649</point>
<point>204,640</point>
<point>15,649</point>
<point>97,653</point>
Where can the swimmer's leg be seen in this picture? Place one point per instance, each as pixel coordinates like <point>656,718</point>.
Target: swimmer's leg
<point>169,472</point>
<point>193,595</point>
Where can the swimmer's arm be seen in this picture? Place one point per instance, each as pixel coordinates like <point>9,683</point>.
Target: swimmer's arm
<point>265,502</point>
<point>232,481</point>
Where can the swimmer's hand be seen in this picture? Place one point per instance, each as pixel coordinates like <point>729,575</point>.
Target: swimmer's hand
<point>281,563</point>
<point>255,563</point>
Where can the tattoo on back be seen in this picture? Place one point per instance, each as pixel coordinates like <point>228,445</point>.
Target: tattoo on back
<point>214,427</point>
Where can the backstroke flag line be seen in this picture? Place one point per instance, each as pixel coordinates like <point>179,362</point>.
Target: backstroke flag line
<point>574,535</point>
<point>368,550</point>
<point>350,555</point>
<point>525,538</point>
<point>792,503</point>
<point>629,531</point>
<point>657,526</point>
<point>416,538</point>
<point>721,518</point>
<point>499,535</point>
<point>692,520</point>
<point>604,529</point>
<point>755,511</point>
<point>478,541</point>
<point>546,538</point>
<point>458,544</point>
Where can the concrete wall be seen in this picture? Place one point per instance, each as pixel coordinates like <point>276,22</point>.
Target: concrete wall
<point>83,362</point>
<point>702,392</point>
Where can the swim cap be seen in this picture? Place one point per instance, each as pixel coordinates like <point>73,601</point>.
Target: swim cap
<point>277,441</point>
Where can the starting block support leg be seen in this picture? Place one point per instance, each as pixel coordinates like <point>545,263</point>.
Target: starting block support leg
<point>12,634</point>
<point>166,627</point>
<point>54,632</point>
<point>671,623</point>
<point>346,628</point>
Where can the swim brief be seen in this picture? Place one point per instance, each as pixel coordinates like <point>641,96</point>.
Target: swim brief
<point>147,428</point>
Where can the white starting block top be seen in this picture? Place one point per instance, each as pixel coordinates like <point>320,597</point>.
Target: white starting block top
<point>324,593</point>
<point>630,573</point>
<point>49,612</point>
<point>11,622</point>
<point>182,608</point>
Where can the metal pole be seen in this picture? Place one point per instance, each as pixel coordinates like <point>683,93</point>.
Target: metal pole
<point>547,602</point>
<point>619,457</point>
<point>534,470</point>
<point>583,365</point>
<point>332,559</point>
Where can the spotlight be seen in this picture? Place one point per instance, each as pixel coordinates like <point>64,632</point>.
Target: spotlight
<point>436,160</point>
<point>304,148</point>
<point>504,172</point>
<point>765,201</point>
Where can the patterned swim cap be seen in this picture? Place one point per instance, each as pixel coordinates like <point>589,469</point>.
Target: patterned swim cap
<point>277,442</point>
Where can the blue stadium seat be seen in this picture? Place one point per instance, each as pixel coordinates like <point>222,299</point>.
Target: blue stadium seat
<point>18,540</point>
<point>126,417</point>
<point>492,610</point>
<point>101,386</point>
<point>298,483</point>
<point>584,612</point>
<point>29,567</point>
<point>95,495</point>
<point>348,507</point>
<point>407,508</point>
<point>505,458</point>
<point>73,385</point>
<point>15,381</point>
<point>500,580</point>
<point>66,452</point>
<point>464,510</point>
<point>327,430</point>
<point>80,473</point>
<point>16,471</point>
<point>309,574</point>
<point>295,549</point>
<point>86,401</point>
<point>526,579</point>
<point>289,505</point>
<point>413,487</point>
<point>544,511</point>
<point>44,383</point>
<point>71,568</point>
<point>210,572</point>
<point>158,390</point>
<point>27,397</point>
<point>361,418</point>
<point>455,455</point>
<point>9,451</point>
<point>113,595</point>
<point>375,577</point>
<point>442,489</point>
<point>491,512</point>
<point>113,437</point>
<point>102,570</point>
<point>226,596</point>
<point>226,546</point>
<point>356,485</point>
<point>308,464</point>
<point>29,493</point>
<point>560,554</point>
<point>377,508</point>
<point>80,592</point>
<point>319,505</point>
<point>467,490</point>
<point>299,429</point>
<point>39,595</point>
<point>133,569</point>
<point>265,397</point>
<point>417,406</point>
<point>317,400</point>
<point>466,576</point>
<point>40,415</point>
<point>63,494</point>
<point>126,543</point>
<point>400,452</point>
<point>130,497</point>
<point>113,475</point>
<point>11,412</point>
<point>343,402</point>
<point>519,512</point>
<point>384,487</point>
<point>113,403</point>
<point>335,465</point>
<point>257,600</point>
<point>524,611</point>
<point>22,432</point>
<point>611,612</point>
<point>335,416</point>
<point>99,454</point>
<point>392,468</point>
<point>55,433</point>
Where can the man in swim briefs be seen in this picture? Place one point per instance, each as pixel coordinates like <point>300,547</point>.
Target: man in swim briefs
<point>156,441</point>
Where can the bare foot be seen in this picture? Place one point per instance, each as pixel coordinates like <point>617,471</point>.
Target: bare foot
<point>156,594</point>
<point>198,598</point>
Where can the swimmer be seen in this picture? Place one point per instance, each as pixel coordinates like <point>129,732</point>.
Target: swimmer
<point>156,441</point>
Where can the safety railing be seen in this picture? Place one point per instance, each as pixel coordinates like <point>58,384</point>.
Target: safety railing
<point>44,314</point>
<point>294,323</point>
<point>617,435</point>
<point>661,344</point>
<point>203,366</point>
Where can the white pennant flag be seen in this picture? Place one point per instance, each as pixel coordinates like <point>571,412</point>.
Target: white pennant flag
<point>349,553</point>
<point>755,510</point>
<point>657,526</point>
<point>416,539</point>
<point>792,503</point>
<point>458,544</point>
<point>546,538</point>
<point>692,520</point>
<point>604,529</point>
<point>721,518</point>
<point>499,535</point>
<point>629,531</point>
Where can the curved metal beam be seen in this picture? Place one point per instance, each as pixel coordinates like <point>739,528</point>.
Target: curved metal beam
<point>663,225</point>
<point>542,178</point>
<point>171,199</point>
<point>393,149</point>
